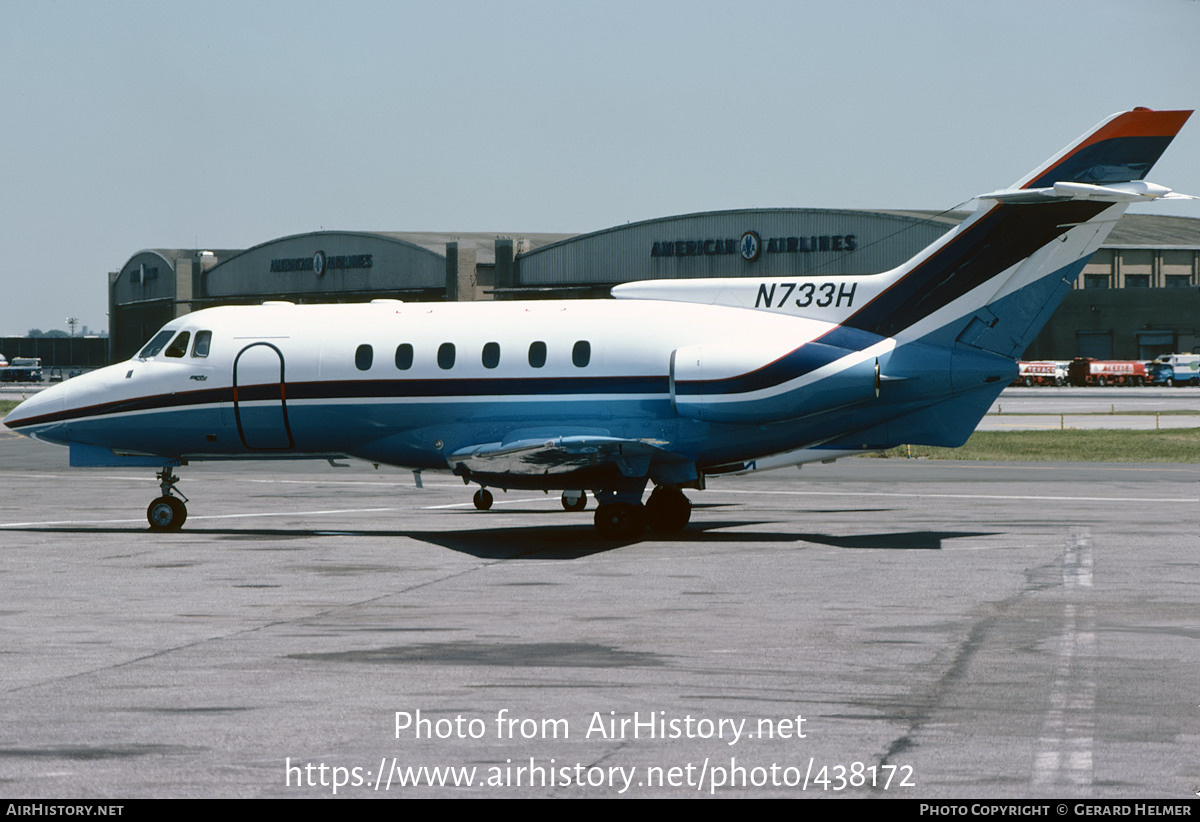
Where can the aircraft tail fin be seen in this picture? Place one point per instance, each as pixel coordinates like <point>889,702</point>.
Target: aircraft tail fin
<point>1119,149</point>
<point>994,280</point>
<point>991,282</point>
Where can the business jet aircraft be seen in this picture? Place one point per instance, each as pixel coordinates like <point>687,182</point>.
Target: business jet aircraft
<point>671,382</point>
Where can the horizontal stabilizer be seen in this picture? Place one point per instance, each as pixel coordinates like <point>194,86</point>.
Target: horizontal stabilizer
<point>1136,191</point>
<point>1121,148</point>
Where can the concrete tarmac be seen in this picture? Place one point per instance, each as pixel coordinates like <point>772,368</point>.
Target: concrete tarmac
<point>872,628</point>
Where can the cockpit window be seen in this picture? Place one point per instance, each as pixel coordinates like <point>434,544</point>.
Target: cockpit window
<point>156,344</point>
<point>203,341</point>
<point>178,346</point>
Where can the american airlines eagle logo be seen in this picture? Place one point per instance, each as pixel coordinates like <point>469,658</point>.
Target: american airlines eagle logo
<point>750,246</point>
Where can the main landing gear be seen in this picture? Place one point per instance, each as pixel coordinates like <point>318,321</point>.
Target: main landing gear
<point>168,512</point>
<point>666,511</point>
<point>620,515</point>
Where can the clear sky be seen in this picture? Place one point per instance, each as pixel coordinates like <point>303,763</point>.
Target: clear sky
<point>131,125</point>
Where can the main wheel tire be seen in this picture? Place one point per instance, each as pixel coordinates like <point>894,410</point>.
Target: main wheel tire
<point>166,514</point>
<point>668,510</point>
<point>483,499</point>
<point>574,503</point>
<point>620,520</point>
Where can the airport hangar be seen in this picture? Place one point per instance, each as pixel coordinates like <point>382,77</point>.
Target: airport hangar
<point>1138,297</point>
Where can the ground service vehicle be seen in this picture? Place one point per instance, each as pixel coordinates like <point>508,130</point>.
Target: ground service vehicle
<point>1175,369</point>
<point>1085,371</point>
<point>1041,373</point>
<point>22,369</point>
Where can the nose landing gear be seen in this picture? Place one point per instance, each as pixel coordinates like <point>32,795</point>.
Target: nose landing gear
<point>168,512</point>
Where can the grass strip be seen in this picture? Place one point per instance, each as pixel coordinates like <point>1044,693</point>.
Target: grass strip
<point>1077,445</point>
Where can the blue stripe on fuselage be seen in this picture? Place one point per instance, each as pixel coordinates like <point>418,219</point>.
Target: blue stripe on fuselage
<point>566,387</point>
<point>832,346</point>
<point>986,248</point>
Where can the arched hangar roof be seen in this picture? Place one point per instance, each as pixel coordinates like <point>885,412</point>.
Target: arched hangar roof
<point>327,261</point>
<point>786,241</point>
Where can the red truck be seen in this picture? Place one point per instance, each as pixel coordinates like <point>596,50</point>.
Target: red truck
<point>1086,371</point>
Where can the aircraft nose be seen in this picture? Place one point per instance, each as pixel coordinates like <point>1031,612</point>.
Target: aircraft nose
<point>39,411</point>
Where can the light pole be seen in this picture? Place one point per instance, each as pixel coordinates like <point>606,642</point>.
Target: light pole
<point>72,322</point>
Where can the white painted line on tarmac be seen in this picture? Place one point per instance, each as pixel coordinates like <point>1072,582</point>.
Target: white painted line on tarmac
<point>494,503</point>
<point>199,478</point>
<point>1014,497</point>
<point>295,513</point>
<point>196,517</point>
<point>1067,739</point>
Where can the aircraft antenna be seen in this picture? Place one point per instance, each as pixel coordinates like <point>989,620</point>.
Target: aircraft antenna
<point>886,237</point>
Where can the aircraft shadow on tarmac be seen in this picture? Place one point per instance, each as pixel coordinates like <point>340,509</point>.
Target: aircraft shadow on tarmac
<point>559,542</point>
<point>575,542</point>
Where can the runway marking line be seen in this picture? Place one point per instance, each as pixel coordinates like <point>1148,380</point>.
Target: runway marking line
<point>494,503</point>
<point>200,516</point>
<point>1137,500</point>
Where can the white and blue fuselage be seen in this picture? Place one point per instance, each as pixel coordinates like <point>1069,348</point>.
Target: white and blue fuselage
<point>668,383</point>
<point>416,384</point>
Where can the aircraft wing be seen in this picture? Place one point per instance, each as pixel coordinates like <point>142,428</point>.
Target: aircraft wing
<point>531,454</point>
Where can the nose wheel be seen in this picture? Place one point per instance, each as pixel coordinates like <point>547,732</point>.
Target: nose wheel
<point>168,512</point>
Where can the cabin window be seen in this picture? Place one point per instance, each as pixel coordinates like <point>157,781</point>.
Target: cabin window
<point>446,356</point>
<point>203,341</point>
<point>537,354</point>
<point>364,355</point>
<point>155,345</point>
<point>179,345</point>
<point>491,355</point>
<point>581,354</point>
<point>404,356</point>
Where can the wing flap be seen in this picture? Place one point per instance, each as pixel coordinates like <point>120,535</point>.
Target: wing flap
<point>547,455</point>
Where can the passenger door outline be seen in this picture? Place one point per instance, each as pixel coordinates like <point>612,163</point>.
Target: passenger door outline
<point>261,427</point>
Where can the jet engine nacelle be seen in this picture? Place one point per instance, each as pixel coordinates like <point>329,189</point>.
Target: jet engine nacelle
<point>736,384</point>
